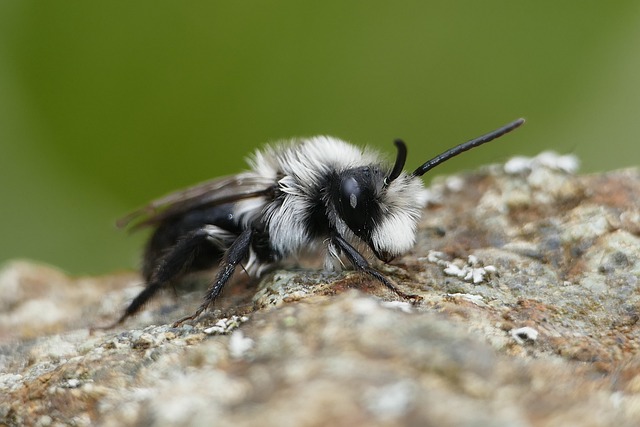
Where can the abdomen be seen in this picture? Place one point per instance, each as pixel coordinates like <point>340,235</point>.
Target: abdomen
<point>208,254</point>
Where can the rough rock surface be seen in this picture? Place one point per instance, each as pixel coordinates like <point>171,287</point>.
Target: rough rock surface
<point>530,278</point>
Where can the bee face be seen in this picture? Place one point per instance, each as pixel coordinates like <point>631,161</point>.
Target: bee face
<point>383,216</point>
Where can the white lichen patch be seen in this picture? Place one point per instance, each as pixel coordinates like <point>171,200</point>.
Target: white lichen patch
<point>567,163</point>
<point>71,383</point>
<point>10,382</point>
<point>403,306</point>
<point>239,344</point>
<point>475,299</point>
<point>587,222</point>
<point>524,334</point>
<point>390,401</point>
<point>471,270</point>
<point>226,325</point>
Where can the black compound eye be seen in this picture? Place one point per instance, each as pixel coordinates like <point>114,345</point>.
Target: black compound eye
<point>355,205</point>
<point>351,192</point>
<point>355,195</point>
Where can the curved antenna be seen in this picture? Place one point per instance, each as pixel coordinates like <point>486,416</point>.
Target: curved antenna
<point>467,146</point>
<point>400,159</point>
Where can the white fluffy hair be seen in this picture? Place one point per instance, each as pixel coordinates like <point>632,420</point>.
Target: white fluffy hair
<point>300,168</point>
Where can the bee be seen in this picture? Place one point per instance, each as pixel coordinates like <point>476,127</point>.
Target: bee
<point>318,194</point>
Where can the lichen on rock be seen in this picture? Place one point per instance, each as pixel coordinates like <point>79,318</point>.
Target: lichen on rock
<point>530,279</point>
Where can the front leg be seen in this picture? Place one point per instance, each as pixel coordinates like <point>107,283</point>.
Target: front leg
<point>361,264</point>
<point>238,251</point>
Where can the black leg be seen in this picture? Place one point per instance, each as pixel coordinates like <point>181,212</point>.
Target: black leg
<point>361,264</point>
<point>238,251</point>
<point>170,267</point>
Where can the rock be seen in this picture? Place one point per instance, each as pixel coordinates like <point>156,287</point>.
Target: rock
<point>530,317</point>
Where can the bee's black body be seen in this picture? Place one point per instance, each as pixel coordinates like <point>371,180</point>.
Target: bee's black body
<point>207,254</point>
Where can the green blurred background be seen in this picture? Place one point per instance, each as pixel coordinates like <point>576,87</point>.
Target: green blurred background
<point>106,105</point>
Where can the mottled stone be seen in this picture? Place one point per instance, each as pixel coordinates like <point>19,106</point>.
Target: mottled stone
<point>530,317</point>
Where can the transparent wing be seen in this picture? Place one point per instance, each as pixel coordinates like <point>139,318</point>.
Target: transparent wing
<point>209,193</point>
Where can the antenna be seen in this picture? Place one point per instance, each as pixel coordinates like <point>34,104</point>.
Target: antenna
<point>452,152</point>
<point>400,159</point>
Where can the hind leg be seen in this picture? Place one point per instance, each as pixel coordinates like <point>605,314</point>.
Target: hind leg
<point>238,251</point>
<point>177,261</point>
